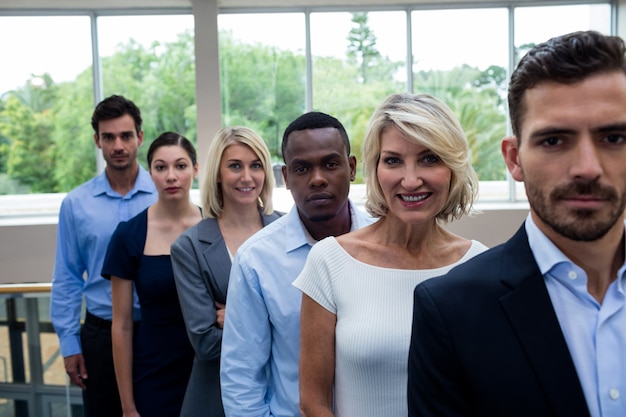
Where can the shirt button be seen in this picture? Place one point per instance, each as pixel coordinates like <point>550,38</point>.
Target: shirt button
<point>572,275</point>
<point>614,393</point>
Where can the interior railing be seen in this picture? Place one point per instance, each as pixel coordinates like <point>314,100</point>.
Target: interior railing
<point>33,382</point>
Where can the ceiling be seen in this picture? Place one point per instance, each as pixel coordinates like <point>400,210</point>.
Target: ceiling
<point>228,4</point>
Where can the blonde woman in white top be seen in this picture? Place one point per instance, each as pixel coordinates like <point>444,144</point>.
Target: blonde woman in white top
<point>358,288</point>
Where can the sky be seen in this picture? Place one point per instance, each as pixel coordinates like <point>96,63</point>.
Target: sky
<point>441,39</point>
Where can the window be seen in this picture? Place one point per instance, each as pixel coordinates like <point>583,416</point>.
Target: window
<point>358,59</point>
<point>460,56</point>
<point>263,72</point>
<point>37,71</point>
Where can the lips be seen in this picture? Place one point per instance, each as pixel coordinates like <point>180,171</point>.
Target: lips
<point>319,197</point>
<point>414,198</point>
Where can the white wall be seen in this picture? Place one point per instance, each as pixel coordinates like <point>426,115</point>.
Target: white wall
<point>27,250</point>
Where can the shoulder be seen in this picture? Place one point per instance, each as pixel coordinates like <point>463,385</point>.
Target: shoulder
<point>135,224</point>
<point>275,215</point>
<point>84,190</point>
<point>266,235</point>
<point>481,271</point>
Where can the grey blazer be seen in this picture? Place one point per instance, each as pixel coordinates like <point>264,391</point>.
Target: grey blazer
<point>201,270</point>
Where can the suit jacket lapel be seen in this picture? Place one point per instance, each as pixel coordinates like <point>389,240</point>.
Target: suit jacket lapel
<point>217,260</point>
<point>216,257</point>
<point>530,312</point>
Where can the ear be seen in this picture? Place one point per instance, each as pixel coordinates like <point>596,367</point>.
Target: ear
<point>284,171</point>
<point>139,138</point>
<point>195,171</point>
<point>96,140</point>
<point>510,153</point>
<point>352,161</point>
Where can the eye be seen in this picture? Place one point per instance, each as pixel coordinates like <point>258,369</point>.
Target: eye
<point>391,161</point>
<point>300,170</point>
<point>615,139</point>
<point>234,165</point>
<point>256,165</point>
<point>127,135</point>
<point>431,158</point>
<point>332,164</point>
<point>551,141</point>
<point>159,167</point>
<point>181,166</point>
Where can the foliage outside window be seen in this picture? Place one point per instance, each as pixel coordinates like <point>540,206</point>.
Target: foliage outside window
<point>46,141</point>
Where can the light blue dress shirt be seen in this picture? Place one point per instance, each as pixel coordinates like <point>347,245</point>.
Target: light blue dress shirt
<point>88,216</point>
<point>261,338</point>
<point>595,333</point>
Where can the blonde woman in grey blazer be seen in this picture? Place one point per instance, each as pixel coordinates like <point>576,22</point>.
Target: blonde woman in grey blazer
<point>236,202</point>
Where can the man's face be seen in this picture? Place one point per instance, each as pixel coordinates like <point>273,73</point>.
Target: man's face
<point>119,142</point>
<point>318,172</point>
<point>572,156</point>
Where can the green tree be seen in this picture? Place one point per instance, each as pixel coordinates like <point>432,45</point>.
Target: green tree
<point>73,135</point>
<point>362,45</point>
<point>31,158</point>
<point>262,88</point>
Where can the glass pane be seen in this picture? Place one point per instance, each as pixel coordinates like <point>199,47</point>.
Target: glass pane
<point>62,409</point>
<point>263,72</point>
<point>14,367</point>
<point>53,368</point>
<point>150,60</point>
<point>534,25</point>
<point>467,68</point>
<point>41,75</point>
<point>358,59</point>
<point>10,407</point>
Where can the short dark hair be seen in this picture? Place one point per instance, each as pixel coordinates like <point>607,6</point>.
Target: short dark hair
<point>564,59</point>
<point>172,139</point>
<point>315,120</point>
<point>113,107</point>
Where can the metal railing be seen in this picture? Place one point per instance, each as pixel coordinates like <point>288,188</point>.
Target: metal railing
<point>34,382</point>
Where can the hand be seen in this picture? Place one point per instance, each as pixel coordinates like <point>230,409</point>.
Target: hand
<point>76,370</point>
<point>220,310</point>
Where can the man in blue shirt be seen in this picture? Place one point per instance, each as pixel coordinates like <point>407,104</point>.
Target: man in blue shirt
<point>261,338</point>
<point>89,214</point>
<point>537,326</point>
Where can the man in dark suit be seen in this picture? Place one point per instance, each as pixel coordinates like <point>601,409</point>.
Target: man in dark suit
<point>537,326</point>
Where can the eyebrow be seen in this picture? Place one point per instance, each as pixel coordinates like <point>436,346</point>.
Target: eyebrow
<point>177,160</point>
<point>333,155</point>
<point>126,132</point>
<point>562,130</point>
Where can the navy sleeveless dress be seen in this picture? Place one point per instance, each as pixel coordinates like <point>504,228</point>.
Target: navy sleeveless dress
<point>162,353</point>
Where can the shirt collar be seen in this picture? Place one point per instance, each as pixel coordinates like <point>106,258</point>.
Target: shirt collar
<point>143,184</point>
<point>298,235</point>
<point>550,258</point>
<point>546,254</point>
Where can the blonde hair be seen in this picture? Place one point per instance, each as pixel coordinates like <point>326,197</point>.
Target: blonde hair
<point>211,191</point>
<point>425,120</point>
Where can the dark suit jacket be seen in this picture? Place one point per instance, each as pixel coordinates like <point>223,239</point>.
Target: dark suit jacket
<point>486,342</point>
<point>201,269</point>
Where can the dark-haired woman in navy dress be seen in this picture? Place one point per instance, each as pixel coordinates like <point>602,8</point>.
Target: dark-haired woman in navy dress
<point>153,364</point>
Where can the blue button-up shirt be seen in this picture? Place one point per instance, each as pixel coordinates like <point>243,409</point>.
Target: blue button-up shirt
<point>595,333</point>
<point>261,338</point>
<point>88,216</point>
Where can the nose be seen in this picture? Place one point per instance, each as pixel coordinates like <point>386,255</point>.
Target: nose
<point>586,163</point>
<point>412,179</point>
<point>318,179</point>
<point>118,143</point>
<point>171,174</point>
<point>245,175</point>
